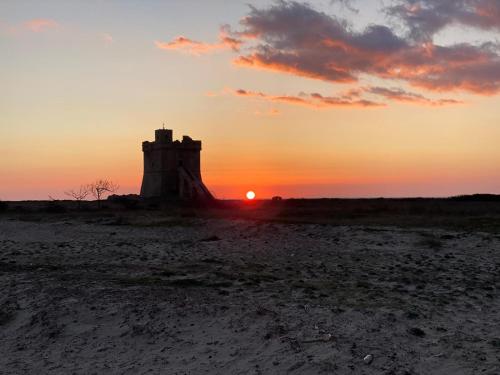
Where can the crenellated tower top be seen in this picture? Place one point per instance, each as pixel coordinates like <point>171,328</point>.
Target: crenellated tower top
<point>164,139</point>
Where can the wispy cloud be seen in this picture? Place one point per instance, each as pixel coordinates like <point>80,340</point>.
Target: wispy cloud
<point>313,100</point>
<point>190,46</point>
<point>211,94</point>
<point>271,112</point>
<point>107,38</point>
<point>350,98</point>
<point>193,47</point>
<point>400,95</point>
<point>38,25</point>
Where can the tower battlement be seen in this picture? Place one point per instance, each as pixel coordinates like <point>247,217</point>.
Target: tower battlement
<point>165,141</point>
<point>163,135</point>
<point>172,168</point>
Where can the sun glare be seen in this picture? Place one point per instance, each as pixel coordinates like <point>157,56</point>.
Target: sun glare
<point>250,195</point>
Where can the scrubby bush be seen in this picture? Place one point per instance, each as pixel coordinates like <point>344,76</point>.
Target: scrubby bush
<point>3,206</point>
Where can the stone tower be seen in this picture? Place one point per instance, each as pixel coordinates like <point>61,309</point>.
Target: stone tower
<point>172,168</point>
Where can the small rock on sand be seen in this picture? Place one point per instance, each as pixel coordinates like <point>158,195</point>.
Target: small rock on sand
<point>368,359</point>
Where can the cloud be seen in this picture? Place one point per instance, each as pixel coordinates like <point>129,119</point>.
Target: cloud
<point>37,25</point>
<point>293,38</point>
<point>272,112</point>
<point>211,94</point>
<point>400,95</point>
<point>187,45</point>
<point>107,38</point>
<point>182,43</point>
<point>349,98</point>
<point>40,24</point>
<point>346,4</point>
<point>296,39</point>
<point>313,100</point>
<point>426,17</point>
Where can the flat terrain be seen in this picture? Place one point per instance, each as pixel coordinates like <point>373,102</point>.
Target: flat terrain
<point>150,293</point>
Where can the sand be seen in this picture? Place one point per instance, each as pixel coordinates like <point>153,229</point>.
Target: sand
<point>219,296</point>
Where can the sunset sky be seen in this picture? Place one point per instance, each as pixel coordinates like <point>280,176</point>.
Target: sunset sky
<point>357,98</point>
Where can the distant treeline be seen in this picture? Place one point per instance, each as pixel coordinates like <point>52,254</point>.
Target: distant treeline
<point>476,198</point>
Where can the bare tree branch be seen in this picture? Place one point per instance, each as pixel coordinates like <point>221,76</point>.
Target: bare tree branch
<point>100,188</point>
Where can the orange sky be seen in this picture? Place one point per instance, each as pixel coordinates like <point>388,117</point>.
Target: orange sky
<point>81,90</point>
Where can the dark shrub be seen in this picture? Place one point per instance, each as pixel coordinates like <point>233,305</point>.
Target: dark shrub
<point>3,206</point>
<point>128,202</point>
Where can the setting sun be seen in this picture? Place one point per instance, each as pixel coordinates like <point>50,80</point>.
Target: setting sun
<point>250,195</point>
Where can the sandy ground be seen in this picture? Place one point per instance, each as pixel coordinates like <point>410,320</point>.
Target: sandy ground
<point>197,296</point>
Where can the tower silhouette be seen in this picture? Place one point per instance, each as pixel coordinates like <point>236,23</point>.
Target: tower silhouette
<point>172,168</point>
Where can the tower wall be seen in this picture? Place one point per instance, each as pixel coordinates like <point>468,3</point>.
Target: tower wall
<point>163,160</point>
